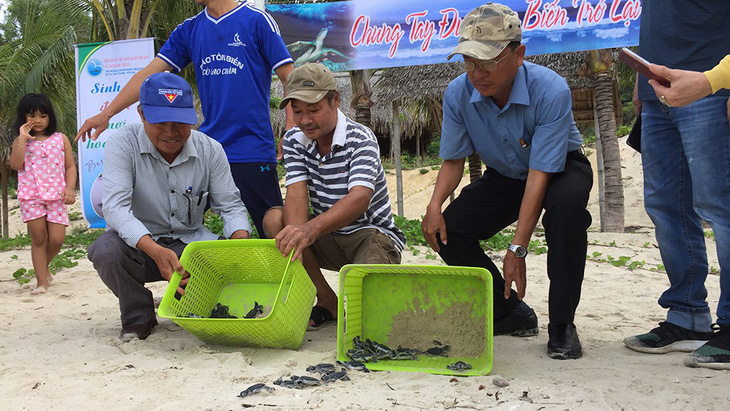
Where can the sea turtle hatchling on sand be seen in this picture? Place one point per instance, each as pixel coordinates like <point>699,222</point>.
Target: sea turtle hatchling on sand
<point>255,389</point>
<point>290,383</point>
<point>354,365</point>
<point>337,375</point>
<point>459,366</point>
<point>306,381</point>
<point>323,368</point>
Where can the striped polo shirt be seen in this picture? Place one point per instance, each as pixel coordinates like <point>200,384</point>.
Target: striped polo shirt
<point>353,161</point>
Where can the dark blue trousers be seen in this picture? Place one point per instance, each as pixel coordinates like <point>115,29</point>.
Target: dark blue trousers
<point>259,187</point>
<point>488,205</point>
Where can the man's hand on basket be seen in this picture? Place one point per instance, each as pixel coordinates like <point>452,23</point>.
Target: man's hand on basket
<point>168,263</point>
<point>294,237</point>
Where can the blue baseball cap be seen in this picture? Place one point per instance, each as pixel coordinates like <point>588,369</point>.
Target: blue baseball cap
<point>167,97</point>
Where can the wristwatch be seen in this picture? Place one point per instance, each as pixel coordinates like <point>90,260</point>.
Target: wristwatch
<point>520,251</point>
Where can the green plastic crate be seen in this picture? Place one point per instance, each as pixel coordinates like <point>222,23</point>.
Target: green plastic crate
<point>412,306</point>
<point>237,273</point>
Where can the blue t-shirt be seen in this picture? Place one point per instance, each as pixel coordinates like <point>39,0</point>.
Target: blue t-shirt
<point>683,34</point>
<point>535,129</point>
<point>233,57</point>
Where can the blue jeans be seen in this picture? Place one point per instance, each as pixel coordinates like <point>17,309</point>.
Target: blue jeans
<point>686,157</point>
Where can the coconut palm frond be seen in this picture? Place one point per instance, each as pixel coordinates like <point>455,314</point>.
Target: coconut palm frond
<point>53,54</point>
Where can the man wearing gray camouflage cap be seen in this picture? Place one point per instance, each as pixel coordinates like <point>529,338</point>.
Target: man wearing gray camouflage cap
<point>517,116</point>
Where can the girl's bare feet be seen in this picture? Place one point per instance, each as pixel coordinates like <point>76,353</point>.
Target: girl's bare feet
<point>41,289</point>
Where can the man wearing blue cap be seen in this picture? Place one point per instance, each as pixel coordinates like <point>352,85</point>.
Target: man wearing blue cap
<point>158,177</point>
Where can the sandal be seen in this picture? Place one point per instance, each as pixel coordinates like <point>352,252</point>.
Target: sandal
<point>321,316</point>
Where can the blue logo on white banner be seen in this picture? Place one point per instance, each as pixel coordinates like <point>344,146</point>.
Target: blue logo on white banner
<point>94,67</point>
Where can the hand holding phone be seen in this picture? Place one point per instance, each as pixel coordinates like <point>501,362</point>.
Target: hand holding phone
<point>640,65</point>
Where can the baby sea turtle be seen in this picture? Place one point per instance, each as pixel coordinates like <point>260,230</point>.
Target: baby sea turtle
<point>191,315</point>
<point>256,310</point>
<point>353,365</point>
<point>409,351</point>
<point>439,350</point>
<point>220,311</point>
<point>403,356</point>
<point>306,381</point>
<point>255,389</point>
<point>361,355</point>
<point>382,351</point>
<point>290,383</point>
<point>321,368</point>
<point>337,375</point>
<point>459,366</point>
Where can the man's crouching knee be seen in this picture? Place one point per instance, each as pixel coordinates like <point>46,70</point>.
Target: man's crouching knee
<point>378,249</point>
<point>273,221</point>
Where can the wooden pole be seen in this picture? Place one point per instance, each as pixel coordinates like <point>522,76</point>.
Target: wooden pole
<point>395,150</point>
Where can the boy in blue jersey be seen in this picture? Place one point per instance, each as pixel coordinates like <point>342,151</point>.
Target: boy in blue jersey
<point>517,116</point>
<point>234,47</point>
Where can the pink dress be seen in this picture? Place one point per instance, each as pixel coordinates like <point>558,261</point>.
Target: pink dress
<point>43,176</point>
<point>42,180</point>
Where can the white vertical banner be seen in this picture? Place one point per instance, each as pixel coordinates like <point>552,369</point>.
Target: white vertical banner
<point>102,69</point>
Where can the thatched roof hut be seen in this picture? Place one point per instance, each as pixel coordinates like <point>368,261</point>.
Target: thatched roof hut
<point>419,90</point>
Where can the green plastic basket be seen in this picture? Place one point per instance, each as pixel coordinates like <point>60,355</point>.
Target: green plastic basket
<point>238,273</point>
<point>413,306</point>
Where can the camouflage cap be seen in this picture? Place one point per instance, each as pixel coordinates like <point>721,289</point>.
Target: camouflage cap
<point>487,30</point>
<point>309,83</point>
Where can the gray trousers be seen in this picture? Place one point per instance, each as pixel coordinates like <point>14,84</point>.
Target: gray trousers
<point>125,270</point>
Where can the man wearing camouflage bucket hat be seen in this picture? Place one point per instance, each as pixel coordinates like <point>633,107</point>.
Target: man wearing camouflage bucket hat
<point>517,116</point>
<point>333,162</point>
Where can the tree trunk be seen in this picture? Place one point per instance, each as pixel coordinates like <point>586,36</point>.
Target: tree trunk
<point>4,171</point>
<point>613,218</point>
<point>361,96</point>
<point>475,167</point>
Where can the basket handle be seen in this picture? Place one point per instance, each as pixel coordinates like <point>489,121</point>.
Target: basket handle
<point>170,293</point>
<point>285,280</point>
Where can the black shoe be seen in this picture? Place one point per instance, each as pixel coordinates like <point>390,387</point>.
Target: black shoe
<point>520,322</point>
<point>563,343</point>
<point>667,338</point>
<point>140,331</point>
<point>714,354</point>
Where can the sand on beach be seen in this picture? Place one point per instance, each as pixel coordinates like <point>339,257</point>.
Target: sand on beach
<point>61,351</point>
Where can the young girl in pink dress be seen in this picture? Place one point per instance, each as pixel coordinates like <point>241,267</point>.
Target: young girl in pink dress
<point>46,181</point>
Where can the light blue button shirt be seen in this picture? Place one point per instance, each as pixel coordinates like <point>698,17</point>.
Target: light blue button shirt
<point>535,129</point>
<point>144,194</point>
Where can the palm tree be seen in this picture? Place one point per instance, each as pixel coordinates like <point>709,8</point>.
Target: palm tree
<point>361,96</point>
<point>611,191</point>
<point>36,54</point>
<point>133,19</point>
